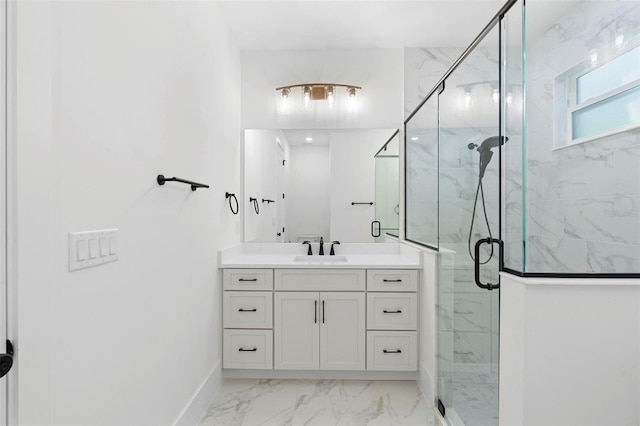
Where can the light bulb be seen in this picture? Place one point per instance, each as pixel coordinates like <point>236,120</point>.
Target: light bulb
<point>307,95</point>
<point>467,96</point>
<point>351,91</point>
<point>308,139</point>
<point>495,94</point>
<point>593,55</point>
<point>414,138</point>
<point>285,92</point>
<point>330,98</point>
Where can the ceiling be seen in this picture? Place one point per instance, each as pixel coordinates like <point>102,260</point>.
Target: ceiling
<point>346,24</point>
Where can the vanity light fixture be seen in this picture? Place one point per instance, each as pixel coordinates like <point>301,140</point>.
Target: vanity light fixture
<point>319,91</point>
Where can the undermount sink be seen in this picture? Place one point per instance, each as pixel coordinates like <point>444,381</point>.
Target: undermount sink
<point>320,259</point>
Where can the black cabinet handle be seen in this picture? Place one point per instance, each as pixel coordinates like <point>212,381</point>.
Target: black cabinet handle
<point>392,312</point>
<point>391,281</point>
<point>248,310</point>
<point>323,312</point>
<point>397,351</point>
<point>247,350</point>
<point>315,311</point>
<point>248,280</point>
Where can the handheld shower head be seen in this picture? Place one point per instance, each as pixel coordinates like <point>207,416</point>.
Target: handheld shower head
<point>492,142</point>
<point>485,150</point>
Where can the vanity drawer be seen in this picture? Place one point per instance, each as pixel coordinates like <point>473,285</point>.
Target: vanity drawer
<point>248,279</point>
<point>392,350</point>
<point>251,349</point>
<point>248,309</point>
<point>392,280</point>
<point>320,279</point>
<point>392,311</point>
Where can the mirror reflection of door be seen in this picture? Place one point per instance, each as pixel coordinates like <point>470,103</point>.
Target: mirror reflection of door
<point>387,186</point>
<point>280,201</point>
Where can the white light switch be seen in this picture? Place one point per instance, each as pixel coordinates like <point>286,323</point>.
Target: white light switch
<point>104,247</point>
<point>83,249</point>
<point>92,248</point>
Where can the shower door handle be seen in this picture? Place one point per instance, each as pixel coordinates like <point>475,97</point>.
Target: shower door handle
<point>373,228</point>
<point>488,286</point>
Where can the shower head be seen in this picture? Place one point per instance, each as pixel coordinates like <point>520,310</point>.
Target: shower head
<point>492,142</point>
<point>485,150</point>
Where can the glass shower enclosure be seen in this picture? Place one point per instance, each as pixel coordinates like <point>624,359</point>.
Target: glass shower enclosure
<point>524,159</point>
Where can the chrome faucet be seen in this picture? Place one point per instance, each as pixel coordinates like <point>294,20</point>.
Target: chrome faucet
<point>321,253</point>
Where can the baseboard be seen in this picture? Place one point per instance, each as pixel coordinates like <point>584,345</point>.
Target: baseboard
<point>425,383</point>
<point>197,405</point>
<point>319,374</point>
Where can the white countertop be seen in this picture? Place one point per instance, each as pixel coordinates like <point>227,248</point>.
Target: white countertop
<point>358,255</point>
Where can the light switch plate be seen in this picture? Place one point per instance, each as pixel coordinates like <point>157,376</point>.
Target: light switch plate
<point>92,248</point>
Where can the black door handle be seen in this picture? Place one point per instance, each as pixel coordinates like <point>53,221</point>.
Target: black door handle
<point>247,350</point>
<point>373,234</point>
<point>392,312</point>
<point>488,286</point>
<point>6,360</point>
<point>247,279</point>
<point>248,310</point>
<point>397,351</point>
<point>323,311</point>
<point>391,281</point>
<point>315,311</point>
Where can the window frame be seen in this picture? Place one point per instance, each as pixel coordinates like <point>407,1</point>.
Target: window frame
<point>568,80</point>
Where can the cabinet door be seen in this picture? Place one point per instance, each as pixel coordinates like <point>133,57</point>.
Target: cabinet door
<point>296,330</point>
<point>342,331</point>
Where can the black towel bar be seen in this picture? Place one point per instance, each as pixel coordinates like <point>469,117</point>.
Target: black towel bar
<point>194,185</point>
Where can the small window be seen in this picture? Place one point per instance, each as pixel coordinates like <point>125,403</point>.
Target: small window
<point>598,99</point>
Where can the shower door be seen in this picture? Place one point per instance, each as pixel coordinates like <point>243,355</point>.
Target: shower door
<point>470,144</point>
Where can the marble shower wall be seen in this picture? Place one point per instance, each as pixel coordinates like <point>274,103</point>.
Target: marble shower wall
<point>582,201</point>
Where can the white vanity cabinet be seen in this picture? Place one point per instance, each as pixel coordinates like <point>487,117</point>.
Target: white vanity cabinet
<point>319,330</point>
<point>334,319</point>
<point>316,329</point>
<point>247,312</point>
<point>392,320</point>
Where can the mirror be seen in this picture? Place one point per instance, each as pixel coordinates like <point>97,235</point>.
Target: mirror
<point>305,184</point>
<point>387,185</point>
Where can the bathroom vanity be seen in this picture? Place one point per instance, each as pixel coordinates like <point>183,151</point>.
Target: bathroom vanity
<point>356,311</point>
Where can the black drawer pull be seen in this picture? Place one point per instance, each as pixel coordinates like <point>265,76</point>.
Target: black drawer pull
<point>248,310</point>
<point>391,281</point>
<point>397,351</point>
<point>392,312</point>
<point>247,279</point>
<point>248,350</point>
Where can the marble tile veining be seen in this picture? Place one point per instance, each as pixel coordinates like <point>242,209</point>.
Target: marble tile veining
<point>271,402</point>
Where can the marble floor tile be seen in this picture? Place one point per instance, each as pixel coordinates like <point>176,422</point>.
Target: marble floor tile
<point>247,402</point>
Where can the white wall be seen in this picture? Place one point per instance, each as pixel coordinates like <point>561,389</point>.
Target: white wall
<point>378,71</point>
<point>308,196</point>
<point>569,351</point>
<point>110,94</point>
